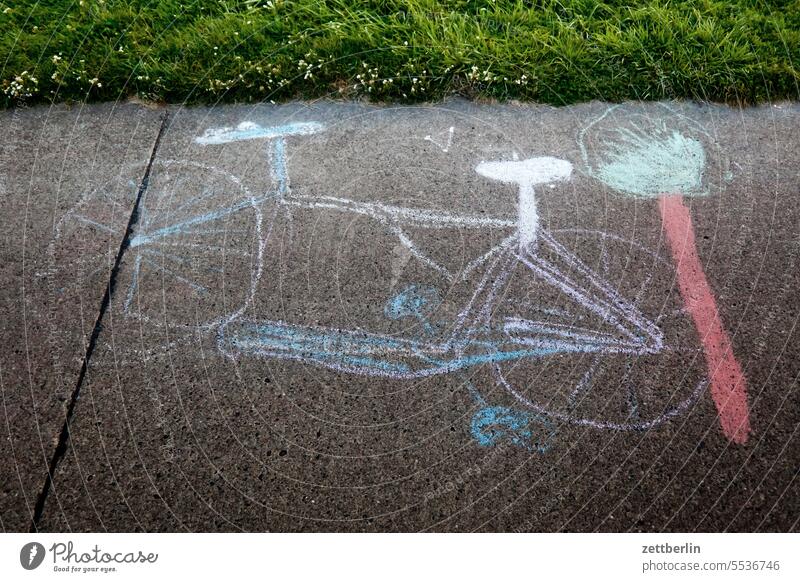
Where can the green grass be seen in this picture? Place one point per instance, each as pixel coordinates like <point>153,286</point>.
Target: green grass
<point>253,50</point>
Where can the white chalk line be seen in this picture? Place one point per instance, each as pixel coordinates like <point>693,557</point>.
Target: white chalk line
<point>447,145</point>
<point>680,408</point>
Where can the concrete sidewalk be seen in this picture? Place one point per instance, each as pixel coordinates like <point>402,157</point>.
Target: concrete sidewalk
<point>340,317</point>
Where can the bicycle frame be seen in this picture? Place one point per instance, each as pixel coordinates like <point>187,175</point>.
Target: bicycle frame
<point>473,340</point>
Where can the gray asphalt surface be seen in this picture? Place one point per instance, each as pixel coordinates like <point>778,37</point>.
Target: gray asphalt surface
<point>273,354</point>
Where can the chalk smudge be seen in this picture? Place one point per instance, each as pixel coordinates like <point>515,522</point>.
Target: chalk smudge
<point>414,301</point>
<point>494,424</point>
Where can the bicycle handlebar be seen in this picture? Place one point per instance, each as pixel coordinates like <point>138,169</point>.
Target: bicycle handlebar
<point>249,130</point>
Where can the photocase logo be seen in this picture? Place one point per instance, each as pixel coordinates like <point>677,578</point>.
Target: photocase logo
<point>31,555</point>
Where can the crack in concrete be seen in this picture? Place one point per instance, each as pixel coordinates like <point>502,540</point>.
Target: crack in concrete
<point>63,439</point>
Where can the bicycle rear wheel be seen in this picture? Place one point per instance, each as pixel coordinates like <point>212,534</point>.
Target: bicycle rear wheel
<point>194,257</point>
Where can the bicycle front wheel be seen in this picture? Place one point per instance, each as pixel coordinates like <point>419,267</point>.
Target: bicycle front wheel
<point>624,354</point>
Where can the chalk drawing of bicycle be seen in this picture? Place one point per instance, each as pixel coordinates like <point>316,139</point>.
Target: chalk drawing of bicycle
<point>224,232</point>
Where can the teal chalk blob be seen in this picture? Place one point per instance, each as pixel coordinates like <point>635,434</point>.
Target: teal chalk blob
<point>649,166</point>
<point>413,301</point>
<point>493,424</point>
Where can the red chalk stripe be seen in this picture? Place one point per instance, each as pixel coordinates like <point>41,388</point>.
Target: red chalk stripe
<point>728,384</point>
